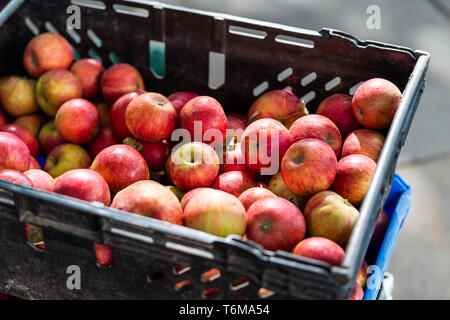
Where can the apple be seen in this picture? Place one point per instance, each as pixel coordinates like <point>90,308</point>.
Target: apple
<point>83,184</point>
<point>104,139</point>
<point>34,164</point>
<point>375,103</point>
<point>279,188</point>
<point>103,112</point>
<point>353,177</point>
<point>357,293</point>
<point>15,176</point>
<point>330,216</point>
<point>380,229</point>
<point>264,144</point>
<point>233,182</point>
<point>154,153</point>
<point>2,119</point>
<point>188,196</point>
<point>215,212</point>
<point>193,165</point>
<point>89,72</point>
<point>309,166</point>
<point>315,126</point>
<point>49,138</point>
<point>32,123</point>
<point>364,141</point>
<point>17,96</point>
<point>151,108</point>
<point>361,278</point>
<point>56,87</point>
<point>177,192</point>
<point>120,165</point>
<point>117,114</point>
<point>320,249</point>
<point>338,108</point>
<point>234,160</point>
<point>14,153</point>
<point>41,179</point>
<point>77,121</point>
<point>24,135</point>
<point>236,125</point>
<point>250,196</point>
<point>275,223</point>
<point>150,199</point>
<point>180,98</point>
<point>65,157</point>
<point>120,79</point>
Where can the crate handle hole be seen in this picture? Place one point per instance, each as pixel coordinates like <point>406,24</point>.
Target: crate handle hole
<point>151,278</point>
<point>211,293</point>
<point>308,79</point>
<point>113,58</point>
<point>94,38</point>
<point>260,88</point>
<point>294,41</point>
<point>239,283</point>
<point>310,96</point>
<point>94,55</point>
<point>50,27</point>
<point>94,4</point>
<point>31,26</point>
<point>74,35</point>
<point>183,285</point>
<point>333,83</point>
<point>286,73</point>
<point>179,269</point>
<point>265,293</point>
<point>216,76</point>
<point>353,89</point>
<point>247,32</point>
<point>132,11</point>
<point>210,275</point>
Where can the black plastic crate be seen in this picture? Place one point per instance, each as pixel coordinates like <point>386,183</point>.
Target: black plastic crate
<point>234,60</point>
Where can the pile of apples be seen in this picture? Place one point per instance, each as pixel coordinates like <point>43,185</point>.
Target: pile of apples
<point>281,177</point>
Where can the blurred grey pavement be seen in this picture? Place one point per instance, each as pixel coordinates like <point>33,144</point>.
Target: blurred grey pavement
<point>421,259</point>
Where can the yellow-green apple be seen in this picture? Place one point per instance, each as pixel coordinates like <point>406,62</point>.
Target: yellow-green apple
<point>120,79</point>
<point>321,249</point>
<point>120,165</point>
<point>314,126</point>
<point>177,192</point>
<point>250,196</point>
<point>150,199</point>
<point>89,72</point>
<point>77,121</point>
<point>188,196</point>
<point>151,108</point>
<point>357,293</point>
<point>364,141</point>
<point>154,153</point>
<point>234,160</point>
<point>380,229</point>
<point>49,138</point>
<point>193,165</point>
<point>180,98</point>
<point>353,176</point>
<point>117,114</point>
<point>233,182</point>
<point>338,108</point>
<point>309,166</point>
<point>45,52</point>
<point>275,223</point>
<point>32,123</point>
<point>41,179</point>
<point>104,139</point>
<point>17,96</point>
<point>362,276</point>
<point>56,87</point>
<point>264,144</point>
<point>330,216</point>
<point>215,212</point>
<point>15,176</point>
<point>375,103</point>
<point>83,184</point>
<point>14,153</point>
<point>24,135</point>
<point>103,112</point>
<point>65,157</point>
<point>34,164</point>
<point>279,188</point>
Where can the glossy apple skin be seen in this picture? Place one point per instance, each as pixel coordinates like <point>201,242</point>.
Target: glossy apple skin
<point>180,98</point>
<point>77,121</point>
<point>117,114</point>
<point>315,126</point>
<point>49,138</point>
<point>380,229</point>
<point>151,108</point>
<point>34,164</point>
<point>338,108</point>
<point>208,112</point>
<point>233,182</point>
<point>234,160</point>
<point>24,135</point>
<point>47,51</point>
<point>375,103</point>
<point>104,139</point>
<point>56,87</point>
<point>309,166</point>
<point>83,184</point>
<point>155,154</point>
<point>364,141</point>
<point>41,179</point>
<point>89,72</point>
<point>15,176</point>
<point>330,216</point>
<point>14,153</point>
<point>189,173</point>
<point>188,196</point>
<point>120,165</point>
<point>320,249</point>
<point>250,196</point>
<point>275,223</point>
<point>32,123</point>
<point>357,293</point>
<point>215,212</point>
<point>66,157</point>
<point>353,177</point>
<point>150,199</point>
<point>17,96</point>
<point>120,79</point>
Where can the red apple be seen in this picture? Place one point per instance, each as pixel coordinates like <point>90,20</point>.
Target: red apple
<point>41,179</point>
<point>49,138</point>
<point>180,98</point>
<point>275,223</point>
<point>215,212</point>
<point>24,135</point>
<point>15,176</point>
<point>120,165</point>
<point>309,166</point>
<point>105,138</point>
<point>364,141</point>
<point>88,72</point>
<point>17,96</point>
<point>14,153</point>
<point>315,126</point>
<point>104,254</point>
<point>250,196</point>
<point>188,196</point>
<point>154,153</point>
<point>380,229</point>
<point>34,164</point>
<point>77,121</point>
<point>47,51</point>
<point>321,249</point>
<point>330,216</point>
<point>361,278</point>
<point>32,123</point>
<point>357,293</point>
<point>353,177</point>
<point>338,108</point>
<point>120,79</point>
<point>66,157</point>
<point>117,114</point>
<point>234,160</point>
<point>234,182</point>
<point>375,103</point>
